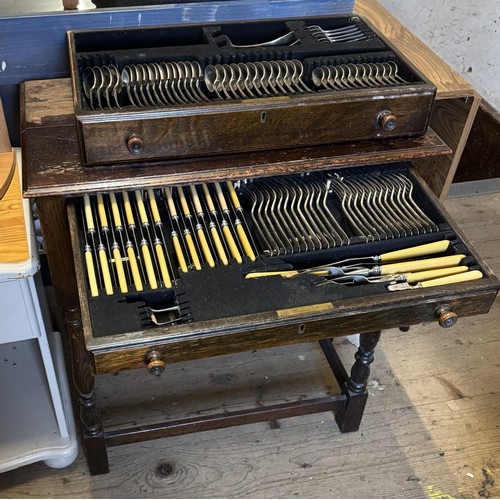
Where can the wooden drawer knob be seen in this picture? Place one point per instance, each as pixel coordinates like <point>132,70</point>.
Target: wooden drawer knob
<point>156,366</point>
<point>135,144</point>
<point>446,317</point>
<point>387,121</point>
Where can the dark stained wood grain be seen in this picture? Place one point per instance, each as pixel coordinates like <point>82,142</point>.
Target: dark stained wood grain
<point>355,388</point>
<point>47,175</point>
<point>53,217</point>
<point>255,125</point>
<point>226,419</point>
<point>57,244</point>
<point>452,120</point>
<point>449,118</point>
<point>55,169</point>
<point>53,165</point>
<point>481,156</point>
<point>83,380</point>
<point>47,103</point>
<point>237,125</point>
<point>44,52</point>
<point>361,319</point>
<point>69,177</point>
<point>452,91</point>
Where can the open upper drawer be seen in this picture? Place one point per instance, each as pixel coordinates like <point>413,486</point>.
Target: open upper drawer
<point>172,268</point>
<point>182,91</point>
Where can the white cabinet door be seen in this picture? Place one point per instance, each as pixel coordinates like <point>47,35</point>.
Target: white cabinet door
<point>16,304</point>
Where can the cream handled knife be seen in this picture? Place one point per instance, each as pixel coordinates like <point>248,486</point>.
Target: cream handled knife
<point>414,278</point>
<point>397,255</point>
<point>414,252</point>
<point>415,265</point>
<point>448,280</point>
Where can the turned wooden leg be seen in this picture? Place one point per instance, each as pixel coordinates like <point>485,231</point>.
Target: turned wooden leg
<point>349,418</point>
<point>57,243</point>
<point>90,416</point>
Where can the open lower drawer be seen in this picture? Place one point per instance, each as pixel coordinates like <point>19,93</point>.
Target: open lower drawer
<point>171,274</point>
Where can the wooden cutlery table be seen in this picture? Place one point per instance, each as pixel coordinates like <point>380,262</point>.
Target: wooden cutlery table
<point>179,258</point>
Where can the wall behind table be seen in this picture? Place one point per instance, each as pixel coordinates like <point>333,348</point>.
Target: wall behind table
<point>466,34</point>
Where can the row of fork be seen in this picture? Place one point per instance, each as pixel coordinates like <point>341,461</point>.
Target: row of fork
<point>351,33</point>
<point>381,207</point>
<point>315,212</point>
<point>290,215</point>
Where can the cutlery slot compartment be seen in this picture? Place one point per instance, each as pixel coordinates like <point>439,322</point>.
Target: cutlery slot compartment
<point>268,34</point>
<point>200,85</point>
<point>207,236</point>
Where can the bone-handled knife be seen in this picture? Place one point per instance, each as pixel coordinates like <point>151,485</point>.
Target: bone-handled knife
<point>448,280</point>
<point>413,252</point>
<point>403,254</point>
<point>415,265</point>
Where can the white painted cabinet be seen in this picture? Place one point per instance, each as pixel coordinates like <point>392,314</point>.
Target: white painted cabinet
<point>36,418</point>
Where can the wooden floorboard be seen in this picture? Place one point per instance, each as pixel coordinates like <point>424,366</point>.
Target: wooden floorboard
<point>431,427</point>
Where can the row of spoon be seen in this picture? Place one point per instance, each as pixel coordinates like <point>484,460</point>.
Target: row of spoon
<point>185,82</point>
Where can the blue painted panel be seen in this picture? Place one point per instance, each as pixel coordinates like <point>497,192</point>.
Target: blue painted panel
<point>35,47</point>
